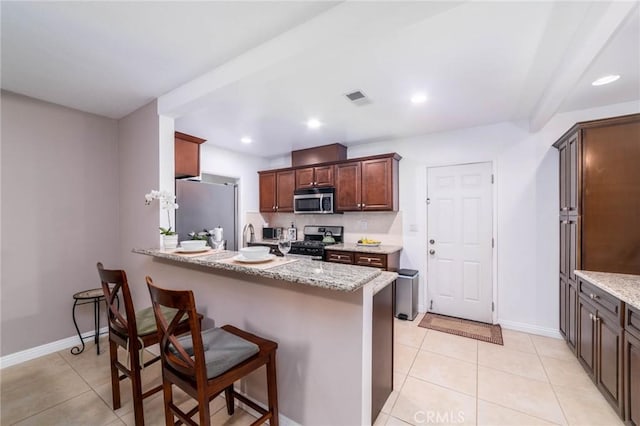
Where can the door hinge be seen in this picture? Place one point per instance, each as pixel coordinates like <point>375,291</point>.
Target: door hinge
<point>493,307</point>
<point>493,243</point>
<point>428,201</point>
<point>492,178</point>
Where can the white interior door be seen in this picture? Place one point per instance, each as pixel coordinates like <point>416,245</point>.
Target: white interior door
<point>459,241</point>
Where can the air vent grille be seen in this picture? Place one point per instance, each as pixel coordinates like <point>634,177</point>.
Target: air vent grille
<point>357,97</point>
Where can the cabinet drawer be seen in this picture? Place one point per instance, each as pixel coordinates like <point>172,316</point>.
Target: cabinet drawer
<point>601,299</point>
<point>632,322</point>
<point>339,257</point>
<point>374,260</point>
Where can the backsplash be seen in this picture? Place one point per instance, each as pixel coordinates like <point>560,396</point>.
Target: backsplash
<point>383,226</point>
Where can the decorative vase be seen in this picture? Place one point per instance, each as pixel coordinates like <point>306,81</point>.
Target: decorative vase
<point>170,241</point>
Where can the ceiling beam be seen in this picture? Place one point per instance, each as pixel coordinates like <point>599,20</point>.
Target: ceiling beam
<point>348,23</point>
<point>598,27</point>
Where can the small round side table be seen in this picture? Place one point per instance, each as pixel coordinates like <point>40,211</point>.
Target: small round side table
<point>95,296</point>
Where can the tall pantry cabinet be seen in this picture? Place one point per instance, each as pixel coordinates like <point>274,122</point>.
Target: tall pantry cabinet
<point>598,224</point>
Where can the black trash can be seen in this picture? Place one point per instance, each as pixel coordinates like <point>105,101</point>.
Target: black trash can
<point>406,307</point>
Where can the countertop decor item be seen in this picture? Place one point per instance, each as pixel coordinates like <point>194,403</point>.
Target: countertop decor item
<point>167,202</point>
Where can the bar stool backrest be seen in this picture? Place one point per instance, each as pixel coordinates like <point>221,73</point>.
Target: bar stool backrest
<point>125,326</point>
<point>173,352</point>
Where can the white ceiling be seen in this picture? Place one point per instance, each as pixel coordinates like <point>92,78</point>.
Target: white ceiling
<point>276,64</point>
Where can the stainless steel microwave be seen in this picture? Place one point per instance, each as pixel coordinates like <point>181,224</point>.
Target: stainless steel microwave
<point>314,200</point>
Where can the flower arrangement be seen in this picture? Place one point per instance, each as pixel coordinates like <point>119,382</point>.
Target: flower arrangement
<point>167,202</point>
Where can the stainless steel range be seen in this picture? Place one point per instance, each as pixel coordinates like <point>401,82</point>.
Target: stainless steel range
<point>315,239</point>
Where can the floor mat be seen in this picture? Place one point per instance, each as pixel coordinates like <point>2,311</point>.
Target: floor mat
<point>461,327</point>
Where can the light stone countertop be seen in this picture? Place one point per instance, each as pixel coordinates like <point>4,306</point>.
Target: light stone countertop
<point>623,286</point>
<point>381,249</point>
<point>332,276</point>
<point>382,280</point>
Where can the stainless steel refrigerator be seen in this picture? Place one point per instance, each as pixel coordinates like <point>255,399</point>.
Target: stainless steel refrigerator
<point>207,206</point>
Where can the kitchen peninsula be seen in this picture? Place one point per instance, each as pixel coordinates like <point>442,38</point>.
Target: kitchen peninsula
<point>333,324</point>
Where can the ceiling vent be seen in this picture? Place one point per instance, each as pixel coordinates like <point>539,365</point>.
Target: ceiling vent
<point>358,98</point>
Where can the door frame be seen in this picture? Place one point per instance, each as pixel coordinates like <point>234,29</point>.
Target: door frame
<point>424,296</point>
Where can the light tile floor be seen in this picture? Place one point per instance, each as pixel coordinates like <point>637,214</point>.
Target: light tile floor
<point>438,379</point>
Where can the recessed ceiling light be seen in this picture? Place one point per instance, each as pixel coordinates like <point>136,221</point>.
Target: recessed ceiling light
<point>605,80</point>
<point>418,98</point>
<point>313,123</point>
<point>246,139</point>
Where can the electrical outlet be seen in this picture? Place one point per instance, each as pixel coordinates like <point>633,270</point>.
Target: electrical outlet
<point>413,228</point>
<point>363,225</point>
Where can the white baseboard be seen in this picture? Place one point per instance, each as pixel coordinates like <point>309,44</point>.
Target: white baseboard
<point>46,349</point>
<point>531,329</point>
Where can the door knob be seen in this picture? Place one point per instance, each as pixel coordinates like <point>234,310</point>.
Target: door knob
<point>432,251</point>
<point>432,241</point>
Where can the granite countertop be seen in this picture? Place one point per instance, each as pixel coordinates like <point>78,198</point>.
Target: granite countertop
<point>381,249</point>
<point>623,286</point>
<point>332,276</point>
<point>382,280</point>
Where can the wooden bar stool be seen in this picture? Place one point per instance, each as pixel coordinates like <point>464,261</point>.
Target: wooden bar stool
<point>206,363</point>
<point>133,331</point>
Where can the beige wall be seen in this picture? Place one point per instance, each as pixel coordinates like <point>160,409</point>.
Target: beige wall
<point>59,216</point>
<point>139,164</point>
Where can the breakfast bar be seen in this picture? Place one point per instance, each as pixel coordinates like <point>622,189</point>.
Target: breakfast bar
<point>333,324</point>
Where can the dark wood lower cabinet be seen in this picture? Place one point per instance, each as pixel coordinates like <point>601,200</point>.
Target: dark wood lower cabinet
<point>632,379</point>
<point>586,336</point>
<point>382,349</point>
<point>609,360</point>
<point>572,316</point>
<point>564,311</point>
<point>600,350</point>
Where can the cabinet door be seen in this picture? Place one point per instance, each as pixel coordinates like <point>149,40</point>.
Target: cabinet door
<point>586,336</point>
<point>609,356</point>
<point>323,176</point>
<point>187,158</point>
<point>562,153</point>
<point>573,178</point>
<point>564,249</point>
<point>304,178</point>
<point>564,311</point>
<point>348,186</point>
<point>377,184</point>
<point>632,379</point>
<point>286,183</point>
<point>267,183</point>
<point>572,316</point>
<point>382,349</point>
<point>573,247</point>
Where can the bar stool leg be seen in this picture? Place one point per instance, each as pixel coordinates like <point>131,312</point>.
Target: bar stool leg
<point>96,319</point>
<point>76,349</point>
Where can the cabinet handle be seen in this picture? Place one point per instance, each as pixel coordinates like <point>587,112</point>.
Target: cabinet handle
<point>593,296</point>
<point>363,205</point>
<point>591,317</point>
<point>564,209</point>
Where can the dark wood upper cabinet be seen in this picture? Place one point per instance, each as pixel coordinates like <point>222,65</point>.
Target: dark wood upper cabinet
<point>368,185</point>
<point>187,155</point>
<point>314,177</point>
<point>348,186</point>
<point>276,191</point>
<point>286,183</point>
<point>362,184</point>
<point>267,183</point>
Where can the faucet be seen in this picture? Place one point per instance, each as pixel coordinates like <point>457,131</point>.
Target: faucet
<point>252,237</point>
